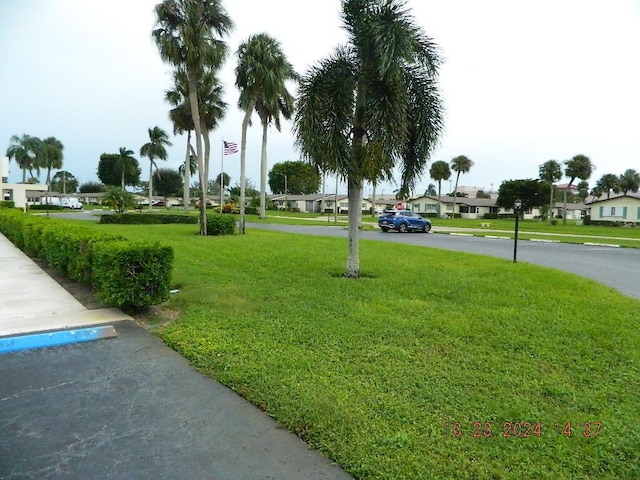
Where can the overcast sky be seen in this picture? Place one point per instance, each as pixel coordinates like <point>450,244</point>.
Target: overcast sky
<point>523,81</point>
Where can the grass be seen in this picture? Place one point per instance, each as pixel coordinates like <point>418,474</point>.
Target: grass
<point>376,372</point>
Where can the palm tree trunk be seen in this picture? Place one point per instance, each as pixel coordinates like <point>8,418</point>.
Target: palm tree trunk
<point>243,154</point>
<point>551,205</point>
<point>24,175</point>
<point>187,175</point>
<point>355,212</point>
<point>122,180</point>
<point>207,153</point>
<point>455,196</point>
<point>150,183</point>
<point>564,211</point>
<point>263,173</point>
<point>439,198</point>
<point>373,201</point>
<point>195,113</point>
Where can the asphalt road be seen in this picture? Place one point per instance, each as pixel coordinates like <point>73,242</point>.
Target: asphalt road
<point>615,267</point>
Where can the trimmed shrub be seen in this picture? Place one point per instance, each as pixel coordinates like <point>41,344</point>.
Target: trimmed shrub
<point>129,274</point>
<point>490,216</point>
<point>251,210</point>
<point>7,204</point>
<point>221,224</point>
<point>45,207</point>
<point>146,218</point>
<point>587,220</point>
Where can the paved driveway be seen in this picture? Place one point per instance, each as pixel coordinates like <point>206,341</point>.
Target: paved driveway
<point>131,408</point>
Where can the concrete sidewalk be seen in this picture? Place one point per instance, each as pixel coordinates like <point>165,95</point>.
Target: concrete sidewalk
<point>124,408</point>
<point>31,301</point>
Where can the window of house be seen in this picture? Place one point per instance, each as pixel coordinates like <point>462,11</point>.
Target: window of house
<point>493,209</point>
<point>416,207</point>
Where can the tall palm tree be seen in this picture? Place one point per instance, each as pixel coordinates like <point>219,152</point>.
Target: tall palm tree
<point>440,171</point>
<point>261,74</point>
<point>125,164</point>
<point>24,150</point>
<point>579,166</point>
<point>51,156</point>
<point>372,105</point>
<point>188,35</point>
<point>550,172</point>
<point>155,148</point>
<point>629,181</point>
<point>460,165</point>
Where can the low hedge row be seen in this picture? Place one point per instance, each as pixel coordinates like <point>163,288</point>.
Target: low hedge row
<point>217,224</point>
<point>122,273</point>
<point>146,218</point>
<point>7,204</point>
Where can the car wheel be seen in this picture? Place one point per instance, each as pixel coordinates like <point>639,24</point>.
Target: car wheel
<point>402,228</point>
<point>426,228</point>
<point>385,229</point>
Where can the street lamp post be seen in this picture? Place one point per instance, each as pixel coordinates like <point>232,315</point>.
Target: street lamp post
<point>517,205</point>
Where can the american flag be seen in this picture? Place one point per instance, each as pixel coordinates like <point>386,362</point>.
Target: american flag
<point>230,148</point>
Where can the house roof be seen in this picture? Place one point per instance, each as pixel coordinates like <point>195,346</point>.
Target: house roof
<point>633,196</point>
<point>315,197</point>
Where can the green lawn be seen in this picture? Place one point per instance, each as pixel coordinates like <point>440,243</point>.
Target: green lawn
<point>376,372</point>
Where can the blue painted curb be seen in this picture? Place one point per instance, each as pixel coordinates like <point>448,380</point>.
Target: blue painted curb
<point>52,339</point>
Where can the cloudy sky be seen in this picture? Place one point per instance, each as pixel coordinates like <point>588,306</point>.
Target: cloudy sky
<point>523,81</point>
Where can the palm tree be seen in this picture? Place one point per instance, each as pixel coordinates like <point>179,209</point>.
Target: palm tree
<point>261,74</point>
<point>460,165</point>
<point>155,148</point>
<point>440,171</point>
<point>125,164</point>
<point>577,167</point>
<point>24,150</point>
<point>51,156</point>
<point>188,36</point>
<point>372,105</point>
<point>607,183</point>
<point>550,172</point>
<point>629,181</point>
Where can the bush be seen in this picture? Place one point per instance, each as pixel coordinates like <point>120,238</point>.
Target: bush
<point>229,207</point>
<point>221,224</point>
<point>490,216</point>
<point>251,210</point>
<point>129,274</point>
<point>587,220</point>
<point>554,222</point>
<point>146,218</point>
<point>45,207</point>
<point>7,204</point>
<point>122,273</point>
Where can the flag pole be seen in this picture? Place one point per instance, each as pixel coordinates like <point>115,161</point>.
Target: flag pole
<point>222,176</point>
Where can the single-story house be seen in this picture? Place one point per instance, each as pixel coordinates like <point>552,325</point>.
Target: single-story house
<point>22,194</point>
<point>618,208</point>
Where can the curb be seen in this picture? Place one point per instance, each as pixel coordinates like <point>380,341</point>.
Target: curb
<point>601,245</point>
<point>52,339</point>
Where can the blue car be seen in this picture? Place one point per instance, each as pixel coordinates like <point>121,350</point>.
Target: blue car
<point>403,221</point>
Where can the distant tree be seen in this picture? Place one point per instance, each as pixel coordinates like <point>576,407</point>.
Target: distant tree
<point>118,199</point>
<point>92,187</point>
<point>64,182</point>
<point>250,191</point>
<point>431,190</point>
<point>50,156</point>
<point>482,194</point>
<point>301,178</point>
<point>154,149</point>
<point>460,165</point>
<point>457,195</point>
<point>577,167</point>
<point>629,181</point>
<point>168,182</point>
<point>532,193</point>
<point>24,150</point>
<point>261,75</point>
<point>193,168</point>
<point>583,191</point>
<point>226,182</point>
<point>110,171</point>
<point>607,183</point>
<point>550,172</point>
<point>440,171</point>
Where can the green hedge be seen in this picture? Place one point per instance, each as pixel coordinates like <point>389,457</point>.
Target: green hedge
<point>7,204</point>
<point>251,210</point>
<point>146,218</point>
<point>122,273</point>
<point>132,274</point>
<point>490,216</point>
<point>221,224</point>
<point>45,207</point>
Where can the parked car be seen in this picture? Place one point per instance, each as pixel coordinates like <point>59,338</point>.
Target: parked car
<point>403,221</point>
